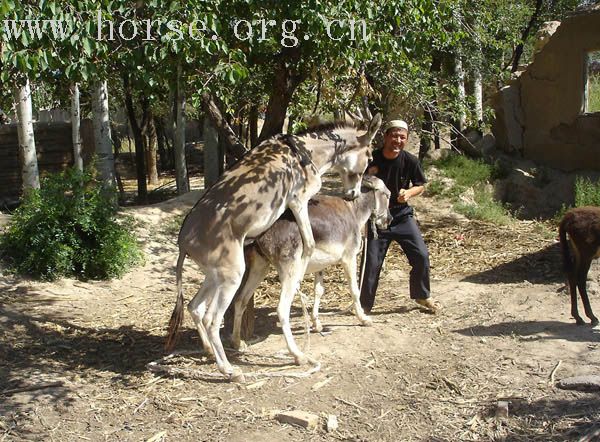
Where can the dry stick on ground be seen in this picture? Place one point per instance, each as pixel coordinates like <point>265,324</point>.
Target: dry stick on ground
<point>554,372</point>
<point>32,388</point>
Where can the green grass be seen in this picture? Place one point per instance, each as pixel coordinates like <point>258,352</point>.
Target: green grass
<point>465,171</point>
<point>587,193</point>
<point>435,188</point>
<point>486,208</point>
<point>468,173</point>
<point>594,95</point>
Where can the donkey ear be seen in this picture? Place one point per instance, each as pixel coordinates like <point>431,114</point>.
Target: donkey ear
<point>368,182</point>
<point>374,126</point>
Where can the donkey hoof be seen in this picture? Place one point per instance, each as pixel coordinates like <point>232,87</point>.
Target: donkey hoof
<point>240,346</point>
<point>367,322</point>
<point>237,376</point>
<point>301,360</point>
<point>594,322</point>
<point>318,327</point>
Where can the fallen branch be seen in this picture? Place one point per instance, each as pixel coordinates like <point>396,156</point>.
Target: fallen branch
<point>32,388</point>
<point>554,372</point>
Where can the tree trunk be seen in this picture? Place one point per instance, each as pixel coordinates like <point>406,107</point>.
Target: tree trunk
<point>151,142</point>
<point>164,153</point>
<point>101,122</point>
<point>284,85</point>
<point>116,141</point>
<point>427,129</point>
<point>253,123</point>
<point>138,138</point>
<point>233,145</point>
<point>75,125</point>
<point>430,109</point>
<point>519,49</point>
<point>462,95</point>
<point>211,157</point>
<point>29,165</point>
<point>181,174</point>
<point>478,93</point>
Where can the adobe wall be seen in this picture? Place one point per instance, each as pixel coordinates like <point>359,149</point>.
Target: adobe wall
<point>540,113</point>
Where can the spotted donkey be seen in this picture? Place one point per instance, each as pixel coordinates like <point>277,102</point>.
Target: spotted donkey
<point>282,172</point>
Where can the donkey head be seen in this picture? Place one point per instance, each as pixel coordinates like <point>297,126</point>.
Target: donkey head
<point>352,163</point>
<point>380,215</point>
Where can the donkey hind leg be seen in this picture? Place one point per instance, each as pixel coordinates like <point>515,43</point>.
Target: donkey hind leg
<point>197,309</point>
<point>572,283</point>
<point>582,285</point>
<point>290,276</point>
<point>319,290</point>
<point>349,266</point>
<point>257,268</point>
<point>228,281</point>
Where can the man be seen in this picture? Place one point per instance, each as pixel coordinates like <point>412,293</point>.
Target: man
<point>402,174</point>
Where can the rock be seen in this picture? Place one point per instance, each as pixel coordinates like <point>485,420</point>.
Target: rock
<point>580,383</point>
<point>502,409</point>
<point>298,417</point>
<point>332,423</point>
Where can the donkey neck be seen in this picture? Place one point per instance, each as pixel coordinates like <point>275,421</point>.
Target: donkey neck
<point>363,206</point>
<point>322,149</point>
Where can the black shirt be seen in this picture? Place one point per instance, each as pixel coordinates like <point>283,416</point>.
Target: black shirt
<point>398,173</point>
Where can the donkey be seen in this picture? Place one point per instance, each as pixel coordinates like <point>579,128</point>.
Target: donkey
<point>582,224</point>
<point>337,226</point>
<point>282,172</point>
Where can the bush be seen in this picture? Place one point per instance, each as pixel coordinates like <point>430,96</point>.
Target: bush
<point>69,228</point>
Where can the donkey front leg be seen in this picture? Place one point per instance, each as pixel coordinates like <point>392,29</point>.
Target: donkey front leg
<point>349,266</point>
<point>300,211</point>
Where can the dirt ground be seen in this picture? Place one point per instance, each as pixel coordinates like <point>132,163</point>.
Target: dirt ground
<point>504,334</point>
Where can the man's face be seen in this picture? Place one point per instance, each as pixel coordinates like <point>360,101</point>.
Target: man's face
<point>394,141</point>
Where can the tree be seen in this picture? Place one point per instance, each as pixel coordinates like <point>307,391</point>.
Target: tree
<point>29,165</point>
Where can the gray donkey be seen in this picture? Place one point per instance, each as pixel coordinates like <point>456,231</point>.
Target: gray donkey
<point>282,172</point>
<point>337,226</point>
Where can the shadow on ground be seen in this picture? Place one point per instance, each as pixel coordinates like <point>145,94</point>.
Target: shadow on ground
<point>541,267</point>
<point>535,331</point>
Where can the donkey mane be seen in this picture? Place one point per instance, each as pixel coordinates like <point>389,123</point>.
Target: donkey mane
<point>326,126</point>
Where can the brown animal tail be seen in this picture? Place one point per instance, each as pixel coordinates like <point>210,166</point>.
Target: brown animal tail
<point>177,315</point>
<point>564,245</point>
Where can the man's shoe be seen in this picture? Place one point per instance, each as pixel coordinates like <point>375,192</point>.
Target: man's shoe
<point>427,304</point>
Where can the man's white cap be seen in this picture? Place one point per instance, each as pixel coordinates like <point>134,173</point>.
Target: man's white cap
<point>400,124</point>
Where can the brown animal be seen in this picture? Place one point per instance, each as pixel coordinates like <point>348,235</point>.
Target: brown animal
<point>582,225</point>
<point>281,173</point>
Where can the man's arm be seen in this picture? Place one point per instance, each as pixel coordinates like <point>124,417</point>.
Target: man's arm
<point>406,194</point>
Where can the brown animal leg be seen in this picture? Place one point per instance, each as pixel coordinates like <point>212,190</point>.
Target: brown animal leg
<point>257,268</point>
<point>582,284</point>
<point>573,292</point>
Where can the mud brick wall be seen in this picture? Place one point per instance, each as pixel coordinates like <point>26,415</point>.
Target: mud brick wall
<point>54,153</point>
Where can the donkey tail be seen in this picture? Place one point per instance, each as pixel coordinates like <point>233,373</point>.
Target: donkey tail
<point>564,246</point>
<point>177,315</point>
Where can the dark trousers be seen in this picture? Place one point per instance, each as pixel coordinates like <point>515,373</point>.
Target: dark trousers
<point>404,231</point>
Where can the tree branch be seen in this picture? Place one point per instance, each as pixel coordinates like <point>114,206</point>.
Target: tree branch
<point>233,145</point>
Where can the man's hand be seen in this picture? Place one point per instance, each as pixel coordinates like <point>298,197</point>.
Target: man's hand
<point>403,196</point>
<point>373,170</point>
